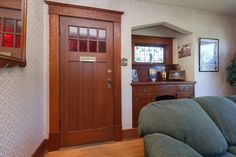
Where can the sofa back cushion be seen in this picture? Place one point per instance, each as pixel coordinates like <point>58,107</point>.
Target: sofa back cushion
<point>184,120</point>
<point>232,98</point>
<point>232,150</point>
<point>223,112</point>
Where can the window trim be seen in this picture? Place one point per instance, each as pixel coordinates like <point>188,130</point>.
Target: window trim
<point>166,43</point>
<point>148,45</point>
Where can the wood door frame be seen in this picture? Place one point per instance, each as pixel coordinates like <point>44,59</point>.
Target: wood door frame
<point>56,10</point>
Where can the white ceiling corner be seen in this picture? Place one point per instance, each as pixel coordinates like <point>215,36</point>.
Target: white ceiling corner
<point>220,6</point>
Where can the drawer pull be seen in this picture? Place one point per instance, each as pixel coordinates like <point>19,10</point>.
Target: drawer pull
<point>145,90</point>
<point>185,88</point>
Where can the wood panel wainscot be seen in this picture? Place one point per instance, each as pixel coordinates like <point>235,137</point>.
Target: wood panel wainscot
<point>146,92</point>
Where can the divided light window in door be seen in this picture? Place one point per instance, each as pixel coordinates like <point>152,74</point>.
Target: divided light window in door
<point>84,39</point>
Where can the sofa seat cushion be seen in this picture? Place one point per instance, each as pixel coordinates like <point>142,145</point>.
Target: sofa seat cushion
<point>184,120</point>
<point>160,145</point>
<point>232,150</point>
<point>223,112</point>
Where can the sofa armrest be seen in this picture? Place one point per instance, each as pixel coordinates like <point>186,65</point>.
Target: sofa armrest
<point>161,145</point>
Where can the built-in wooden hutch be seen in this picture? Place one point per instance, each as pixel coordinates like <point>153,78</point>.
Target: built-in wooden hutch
<point>144,90</point>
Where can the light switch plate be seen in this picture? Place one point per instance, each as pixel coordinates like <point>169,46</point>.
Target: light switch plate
<point>124,62</point>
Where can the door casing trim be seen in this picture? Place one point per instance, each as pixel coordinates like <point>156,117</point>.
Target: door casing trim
<point>60,9</point>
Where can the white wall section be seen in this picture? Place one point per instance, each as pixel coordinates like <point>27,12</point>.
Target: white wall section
<point>22,93</point>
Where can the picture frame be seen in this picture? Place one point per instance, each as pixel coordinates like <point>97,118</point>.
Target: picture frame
<point>177,75</point>
<point>208,55</point>
<point>184,50</point>
<point>134,75</point>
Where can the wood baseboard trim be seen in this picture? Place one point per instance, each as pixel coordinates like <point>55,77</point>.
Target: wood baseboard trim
<point>53,142</point>
<point>40,151</point>
<point>117,133</point>
<point>130,133</point>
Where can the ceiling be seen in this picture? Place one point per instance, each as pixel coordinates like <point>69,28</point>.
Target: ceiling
<point>219,6</point>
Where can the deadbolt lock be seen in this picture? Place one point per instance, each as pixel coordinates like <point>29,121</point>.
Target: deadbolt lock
<point>109,83</point>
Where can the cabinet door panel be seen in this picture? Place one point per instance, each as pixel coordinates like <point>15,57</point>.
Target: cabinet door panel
<point>139,103</point>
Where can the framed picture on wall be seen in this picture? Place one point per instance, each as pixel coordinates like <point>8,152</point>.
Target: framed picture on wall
<point>208,55</point>
<point>177,75</point>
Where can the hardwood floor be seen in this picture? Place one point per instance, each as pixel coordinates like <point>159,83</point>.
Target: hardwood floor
<point>129,148</point>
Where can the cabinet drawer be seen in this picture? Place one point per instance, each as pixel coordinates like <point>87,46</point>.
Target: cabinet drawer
<point>184,88</point>
<point>185,95</point>
<point>165,88</point>
<point>143,89</point>
<point>142,99</point>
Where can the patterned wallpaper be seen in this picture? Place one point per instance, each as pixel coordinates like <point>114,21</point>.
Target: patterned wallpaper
<point>201,23</point>
<point>22,93</point>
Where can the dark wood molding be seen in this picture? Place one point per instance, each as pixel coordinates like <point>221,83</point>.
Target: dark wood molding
<point>117,82</point>
<point>54,118</point>
<point>53,142</point>
<point>54,73</point>
<point>163,83</point>
<point>10,63</point>
<point>130,133</point>
<point>40,151</point>
<point>11,4</point>
<point>83,11</point>
<point>55,11</point>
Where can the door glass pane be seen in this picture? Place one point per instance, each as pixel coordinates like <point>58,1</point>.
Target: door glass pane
<point>8,40</point>
<point>83,33</point>
<point>73,45</point>
<point>102,34</point>
<point>73,32</point>
<point>102,46</point>
<point>92,46</point>
<point>18,26</point>
<point>93,34</point>
<point>83,45</point>
<point>18,41</point>
<point>9,25</point>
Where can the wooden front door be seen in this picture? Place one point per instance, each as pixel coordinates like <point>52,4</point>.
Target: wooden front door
<point>86,75</point>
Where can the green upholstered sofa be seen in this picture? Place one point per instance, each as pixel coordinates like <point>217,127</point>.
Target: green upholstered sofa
<point>200,127</point>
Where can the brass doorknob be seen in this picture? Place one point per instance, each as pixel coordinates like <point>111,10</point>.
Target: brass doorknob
<point>109,71</point>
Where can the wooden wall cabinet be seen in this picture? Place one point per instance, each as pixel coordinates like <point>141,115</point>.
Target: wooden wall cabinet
<point>146,92</point>
<point>13,33</point>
